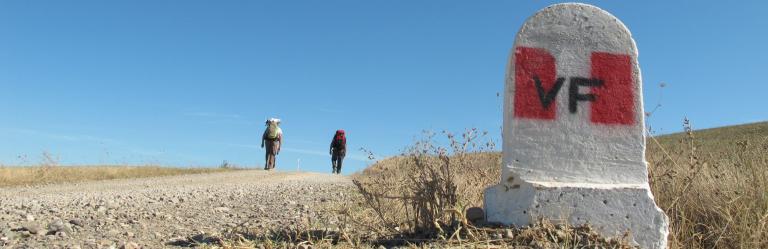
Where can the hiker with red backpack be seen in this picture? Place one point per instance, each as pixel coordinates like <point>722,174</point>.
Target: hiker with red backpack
<point>338,150</point>
<point>273,137</point>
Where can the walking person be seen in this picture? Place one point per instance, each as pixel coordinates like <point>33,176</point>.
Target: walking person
<point>338,150</point>
<point>273,139</point>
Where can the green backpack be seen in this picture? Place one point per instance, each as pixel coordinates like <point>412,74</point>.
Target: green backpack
<point>273,131</point>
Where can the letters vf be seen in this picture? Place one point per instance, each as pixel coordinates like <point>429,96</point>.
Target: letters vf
<point>547,96</point>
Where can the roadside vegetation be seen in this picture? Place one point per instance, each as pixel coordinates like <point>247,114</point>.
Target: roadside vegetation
<point>424,196</point>
<point>713,185</point>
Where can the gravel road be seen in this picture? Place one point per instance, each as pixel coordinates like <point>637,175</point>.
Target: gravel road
<point>156,212</point>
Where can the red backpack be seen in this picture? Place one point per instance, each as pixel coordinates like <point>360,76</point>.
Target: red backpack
<point>339,140</point>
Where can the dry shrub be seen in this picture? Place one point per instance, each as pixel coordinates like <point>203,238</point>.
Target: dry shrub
<point>425,190</point>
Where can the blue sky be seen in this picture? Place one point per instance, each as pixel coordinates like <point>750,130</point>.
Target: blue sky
<point>189,83</point>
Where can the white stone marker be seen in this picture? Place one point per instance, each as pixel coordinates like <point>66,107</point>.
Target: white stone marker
<point>574,142</point>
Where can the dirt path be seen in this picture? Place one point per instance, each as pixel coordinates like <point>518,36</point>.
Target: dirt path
<point>152,212</point>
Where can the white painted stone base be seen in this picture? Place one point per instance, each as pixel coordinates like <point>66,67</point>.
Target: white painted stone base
<point>612,209</point>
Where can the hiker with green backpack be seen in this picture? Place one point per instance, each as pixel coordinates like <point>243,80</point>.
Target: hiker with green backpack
<point>273,138</point>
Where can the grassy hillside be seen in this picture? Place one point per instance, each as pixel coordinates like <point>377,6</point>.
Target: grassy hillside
<point>721,139</point>
<point>24,176</point>
<point>712,183</point>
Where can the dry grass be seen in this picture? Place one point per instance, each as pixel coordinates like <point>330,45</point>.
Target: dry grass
<point>540,235</point>
<point>48,174</point>
<point>713,184</point>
